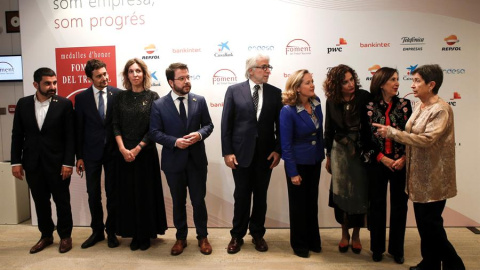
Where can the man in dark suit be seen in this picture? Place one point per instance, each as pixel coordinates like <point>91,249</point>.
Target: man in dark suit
<point>180,121</point>
<point>96,147</point>
<point>251,148</point>
<point>43,144</point>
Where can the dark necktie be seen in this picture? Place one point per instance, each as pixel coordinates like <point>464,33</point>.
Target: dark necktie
<point>101,105</point>
<point>183,112</point>
<point>255,97</point>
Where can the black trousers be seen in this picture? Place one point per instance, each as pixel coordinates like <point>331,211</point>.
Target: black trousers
<point>252,180</point>
<point>303,207</point>
<point>93,174</point>
<point>380,177</point>
<point>196,181</point>
<point>434,244</point>
<point>44,185</point>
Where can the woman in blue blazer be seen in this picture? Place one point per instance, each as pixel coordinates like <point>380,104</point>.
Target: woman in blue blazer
<point>301,136</point>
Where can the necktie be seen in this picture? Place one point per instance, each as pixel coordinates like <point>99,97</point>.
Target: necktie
<point>183,112</point>
<point>101,105</point>
<point>255,97</point>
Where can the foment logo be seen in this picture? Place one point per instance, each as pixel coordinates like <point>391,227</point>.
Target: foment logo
<point>224,77</point>
<point>297,47</point>
<point>6,68</point>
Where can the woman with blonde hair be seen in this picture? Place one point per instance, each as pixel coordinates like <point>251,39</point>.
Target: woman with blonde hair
<point>301,136</point>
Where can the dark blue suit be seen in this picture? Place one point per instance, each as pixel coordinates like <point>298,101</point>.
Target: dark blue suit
<point>303,153</point>
<point>42,153</point>
<point>252,141</point>
<point>183,167</point>
<point>96,145</point>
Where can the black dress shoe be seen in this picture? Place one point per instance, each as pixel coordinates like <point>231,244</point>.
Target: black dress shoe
<point>416,268</point>
<point>399,259</point>
<point>135,244</point>
<point>144,244</point>
<point>112,241</point>
<point>93,239</point>
<point>376,257</point>
<point>316,249</point>
<point>234,245</point>
<point>301,253</point>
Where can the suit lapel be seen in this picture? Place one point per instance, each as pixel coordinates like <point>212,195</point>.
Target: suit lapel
<point>192,107</point>
<point>247,95</point>
<point>171,106</point>
<point>31,112</point>
<point>109,102</point>
<point>91,105</point>
<point>51,110</point>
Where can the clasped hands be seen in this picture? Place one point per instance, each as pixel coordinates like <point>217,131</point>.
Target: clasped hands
<point>187,140</point>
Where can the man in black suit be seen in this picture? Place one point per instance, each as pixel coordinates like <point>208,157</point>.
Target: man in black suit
<point>251,147</point>
<point>180,121</point>
<point>96,147</point>
<point>43,144</point>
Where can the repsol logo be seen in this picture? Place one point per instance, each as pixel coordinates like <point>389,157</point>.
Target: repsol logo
<point>451,48</point>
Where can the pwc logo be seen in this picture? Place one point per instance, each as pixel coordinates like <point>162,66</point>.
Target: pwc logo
<point>372,71</point>
<point>224,77</point>
<point>338,48</point>
<point>298,47</point>
<point>150,50</point>
<point>451,40</point>
<point>452,102</point>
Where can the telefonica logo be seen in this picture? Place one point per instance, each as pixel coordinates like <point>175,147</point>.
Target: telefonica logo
<point>337,48</point>
<point>6,68</point>
<point>412,43</point>
<point>150,49</point>
<point>298,47</point>
<point>451,40</point>
<point>223,50</point>
<point>224,77</point>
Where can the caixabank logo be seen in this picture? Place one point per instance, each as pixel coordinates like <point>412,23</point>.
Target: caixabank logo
<point>223,50</point>
<point>155,81</point>
<point>338,47</point>
<point>410,69</point>
<point>451,41</point>
<point>412,44</point>
<point>372,71</point>
<point>150,50</point>
<point>224,77</point>
<point>298,47</point>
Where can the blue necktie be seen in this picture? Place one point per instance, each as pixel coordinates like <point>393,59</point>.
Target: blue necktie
<point>183,112</point>
<point>101,105</point>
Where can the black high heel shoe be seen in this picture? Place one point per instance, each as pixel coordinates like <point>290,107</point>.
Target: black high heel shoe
<point>343,248</point>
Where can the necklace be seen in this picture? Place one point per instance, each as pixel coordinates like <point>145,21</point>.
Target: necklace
<point>347,106</point>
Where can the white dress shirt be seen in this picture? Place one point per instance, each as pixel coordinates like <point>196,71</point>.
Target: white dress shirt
<point>260,95</point>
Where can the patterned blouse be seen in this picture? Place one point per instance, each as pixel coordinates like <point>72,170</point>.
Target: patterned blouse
<point>399,113</point>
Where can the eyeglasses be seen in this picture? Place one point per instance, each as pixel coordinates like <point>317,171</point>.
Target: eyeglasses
<point>182,79</point>
<point>265,67</point>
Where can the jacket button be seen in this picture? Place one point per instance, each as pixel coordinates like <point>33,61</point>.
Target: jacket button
<point>314,134</point>
<point>314,142</point>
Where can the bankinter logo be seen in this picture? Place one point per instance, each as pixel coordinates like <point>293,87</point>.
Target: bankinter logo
<point>224,77</point>
<point>297,47</point>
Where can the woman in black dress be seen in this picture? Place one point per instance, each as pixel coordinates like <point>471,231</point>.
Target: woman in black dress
<point>141,205</point>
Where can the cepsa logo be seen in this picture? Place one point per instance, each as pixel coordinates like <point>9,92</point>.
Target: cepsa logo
<point>372,71</point>
<point>410,69</point>
<point>150,49</point>
<point>298,47</point>
<point>223,50</point>
<point>338,48</point>
<point>451,40</point>
<point>224,77</point>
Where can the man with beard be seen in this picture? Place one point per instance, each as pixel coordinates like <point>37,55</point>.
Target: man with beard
<point>180,121</point>
<point>43,144</point>
<point>96,148</point>
<point>251,148</point>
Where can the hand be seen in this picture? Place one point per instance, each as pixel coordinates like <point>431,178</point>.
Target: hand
<point>328,167</point>
<point>183,143</point>
<point>381,130</point>
<point>66,172</point>
<point>17,171</point>
<point>388,162</point>
<point>296,180</point>
<point>399,163</point>
<point>127,155</point>
<point>136,150</point>
<point>193,137</point>
<point>276,159</point>
<point>230,161</point>
<point>80,167</point>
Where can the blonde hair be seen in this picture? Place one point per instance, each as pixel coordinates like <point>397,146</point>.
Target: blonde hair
<point>290,95</point>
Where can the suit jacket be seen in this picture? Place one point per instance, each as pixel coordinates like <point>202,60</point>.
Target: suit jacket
<point>240,129</point>
<point>54,143</point>
<point>94,136</point>
<point>166,127</point>
<point>302,141</point>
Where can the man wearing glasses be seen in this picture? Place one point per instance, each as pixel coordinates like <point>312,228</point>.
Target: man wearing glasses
<point>251,148</point>
<point>180,122</point>
<point>96,147</point>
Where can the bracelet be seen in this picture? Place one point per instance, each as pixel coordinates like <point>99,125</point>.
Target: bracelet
<point>141,147</point>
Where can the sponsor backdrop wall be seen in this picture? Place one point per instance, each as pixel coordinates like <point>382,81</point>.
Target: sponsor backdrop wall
<point>215,37</point>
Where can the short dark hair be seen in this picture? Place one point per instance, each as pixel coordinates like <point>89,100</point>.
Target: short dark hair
<point>43,71</point>
<point>93,64</point>
<point>380,78</point>
<point>431,73</point>
<point>170,71</point>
